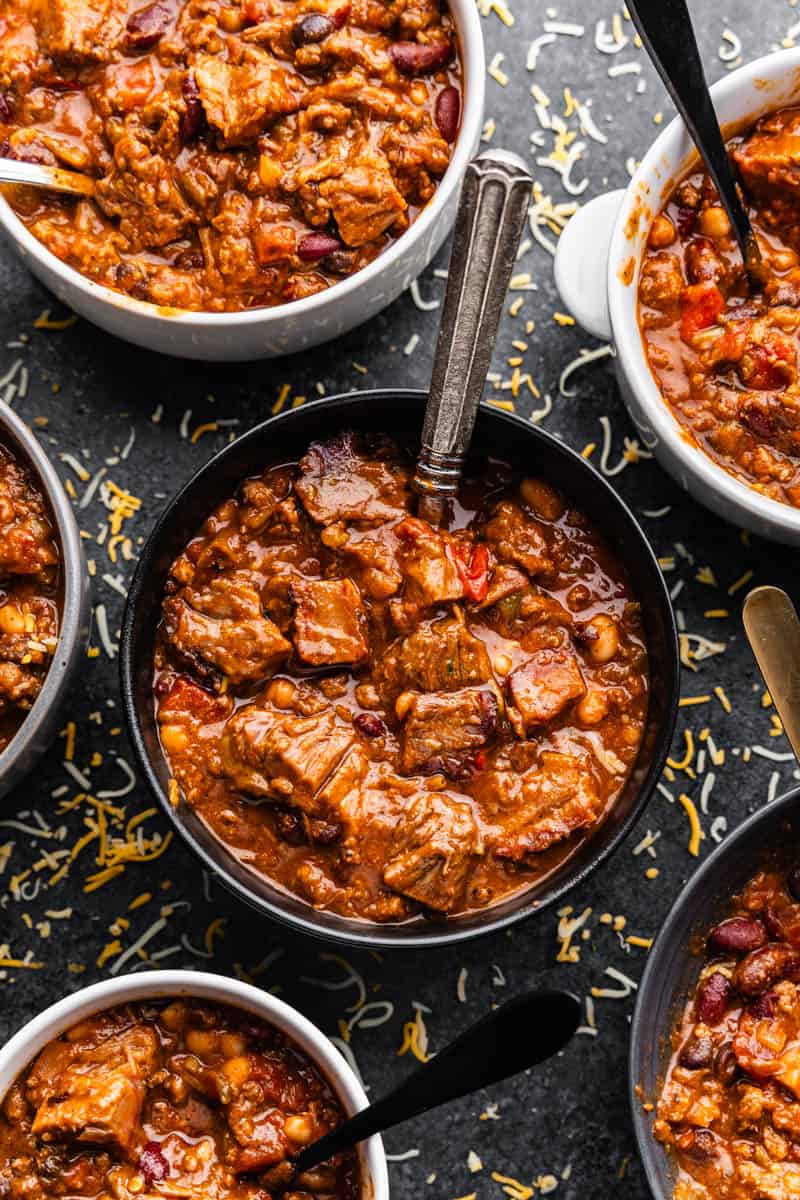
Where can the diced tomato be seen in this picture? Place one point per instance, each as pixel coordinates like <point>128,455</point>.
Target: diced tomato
<point>701,305</point>
<point>472,564</point>
<point>255,11</point>
<point>768,365</point>
<point>187,697</point>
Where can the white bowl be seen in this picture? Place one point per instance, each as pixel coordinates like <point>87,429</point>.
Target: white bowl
<point>287,328</point>
<point>17,1054</point>
<point>597,274</point>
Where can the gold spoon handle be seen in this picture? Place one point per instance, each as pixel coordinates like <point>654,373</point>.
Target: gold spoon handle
<point>773,630</point>
<point>13,170</point>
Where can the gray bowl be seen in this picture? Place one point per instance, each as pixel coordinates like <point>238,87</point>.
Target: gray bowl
<point>41,724</point>
<point>672,970</point>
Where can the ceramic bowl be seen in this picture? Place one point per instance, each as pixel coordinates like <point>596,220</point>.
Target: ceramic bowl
<point>127,989</point>
<point>772,833</point>
<point>286,328</point>
<point>42,723</point>
<point>597,274</point>
<point>285,438</point>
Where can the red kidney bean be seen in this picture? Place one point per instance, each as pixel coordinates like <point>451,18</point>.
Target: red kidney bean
<point>696,1053</point>
<point>339,17</point>
<point>152,1163</point>
<point>763,1009</point>
<point>341,262</point>
<point>325,833</point>
<point>6,109</point>
<point>147,25</point>
<point>738,935</point>
<point>317,245</point>
<point>687,219</point>
<point>370,725</point>
<point>313,28</point>
<point>418,58</point>
<point>762,968</point>
<point>447,113</point>
<point>713,997</point>
<point>726,1065</point>
<point>192,118</point>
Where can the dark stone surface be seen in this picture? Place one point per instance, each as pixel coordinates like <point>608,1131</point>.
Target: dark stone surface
<point>94,391</point>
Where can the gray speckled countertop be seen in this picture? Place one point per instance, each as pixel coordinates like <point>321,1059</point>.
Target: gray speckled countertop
<point>568,1120</point>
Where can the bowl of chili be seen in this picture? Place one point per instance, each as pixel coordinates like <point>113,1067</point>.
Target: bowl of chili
<point>44,599</point>
<point>707,370</point>
<point>376,710</point>
<point>181,1080</point>
<point>262,183</point>
<point>708,1032</point>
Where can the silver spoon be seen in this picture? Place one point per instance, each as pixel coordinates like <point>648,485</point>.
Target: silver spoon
<point>492,210</point>
<point>668,35</point>
<point>56,179</point>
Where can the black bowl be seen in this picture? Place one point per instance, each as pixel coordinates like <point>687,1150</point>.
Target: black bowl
<point>399,413</point>
<point>672,970</point>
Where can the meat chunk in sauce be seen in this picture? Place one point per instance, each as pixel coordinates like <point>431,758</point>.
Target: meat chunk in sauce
<point>558,797</point>
<point>26,545</point>
<point>364,200</point>
<point>79,31</point>
<point>442,727</point>
<point>343,480</point>
<point>441,716</point>
<point>329,622</point>
<point>438,841</point>
<point>769,162</point>
<point>285,745</point>
<point>662,283</point>
<point>220,629</point>
<point>543,687</point>
<point>239,100</point>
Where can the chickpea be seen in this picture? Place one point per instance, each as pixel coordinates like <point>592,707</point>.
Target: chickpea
<point>12,619</point>
<point>299,1129</point>
<point>403,704</point>
<point>202,1042</point>
<point>603,637</point>
<point>783,260</point>
<point>502,664</point>
<point>174,1015</point>
<point>236,1070</point>
<point>662,233</point>
<point>233,1044</point>
<point>592,708</point>
<point>136,1183</point>
<point>282,692</point>
<point>419,94</point>
<point>174,738</point>
<point>190,1162</point>
<point>714,223</point>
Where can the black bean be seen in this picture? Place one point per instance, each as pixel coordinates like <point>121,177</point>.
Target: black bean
<point>696,1053</point>
<point>313,28</point>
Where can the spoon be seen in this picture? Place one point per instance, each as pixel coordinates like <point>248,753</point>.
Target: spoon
<point>668,35</point>
<point>12,170</point>
<point>519,1034</point>
<point>491,214</point>
<point>773,630</point>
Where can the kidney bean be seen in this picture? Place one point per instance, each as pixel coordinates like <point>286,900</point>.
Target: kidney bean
<point>325,833</point>
<point>317,245</point>
<point>6,109</point>
<point>341,262</point>
<point>725,1063</point>
<point>699,1144</point>
<point>370,725</point>
<point>696,1053</point>
<point>290,827</point>
<point>713,997</point>
<point>339,17</point>
<point>193,116</point>
<point>152,1163</point>
<point>793,883</point>
<point>763,1009</point>
<point>147,25</point>
<point>418,58</point>
<point>447,113</point>
<point>738,935</point>
<point>313,28</point>
<point>762,968</point>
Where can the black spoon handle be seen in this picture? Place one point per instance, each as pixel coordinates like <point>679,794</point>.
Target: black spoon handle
<point>521,1033</point>
<point>666,29</point>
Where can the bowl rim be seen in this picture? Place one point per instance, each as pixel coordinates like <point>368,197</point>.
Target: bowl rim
<point>663,164</point>
<point>745,833</point>
<point>26,1043</point>
<point>74,586</point>
<point>473,60</point>
<point>366,934</point>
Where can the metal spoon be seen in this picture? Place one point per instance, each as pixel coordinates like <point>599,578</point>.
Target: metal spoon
<point>494,202</point>
<point>12,170</point>
<point>517,1035</point>
<point>773,630</point>
<point>668,35</point>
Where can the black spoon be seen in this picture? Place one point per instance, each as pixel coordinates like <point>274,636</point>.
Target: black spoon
<point>666,29</point>
<point>517,1035</point>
